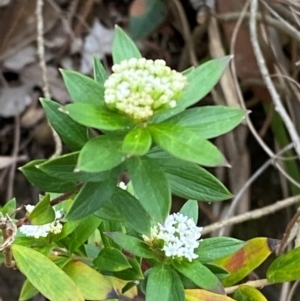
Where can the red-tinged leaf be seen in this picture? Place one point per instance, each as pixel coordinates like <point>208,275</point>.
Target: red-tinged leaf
<point>203,295</point>
<point>248,293</point>
<point>138,8</point>
<point>92,285</point>
<point>286,267</point>
<point>245,260</point>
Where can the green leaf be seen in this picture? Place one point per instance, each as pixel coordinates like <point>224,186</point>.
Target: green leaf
<point>137,142</point>
<point>200,275</point>
<point>190,209</point>
<point>145,16</point>
<point>63,168</point>
<point>248,293</point>
<point>159,284</point>
<point>91,197</point>
<point>177,293</point>
<point>186,145</point>
<point>9,207</point>
<point>123,47</point>
<point>71,133</point>
<point>131,210</point>
<point>132,274</point>
<point>100,154</point>
<point>131,244</point>
<point>83,88</point>
<point>204,295</point>
<point>201,80</point>
<point>285,268</point>
<point>45,275</point>
<point>111,259</point>
<point>150,186</point>
<point>100,118</point>
<point>213,248</point>
<point>246,259</point>
<point>191,181</point>
<point>43,181</point>
<point>92,285</point>
<point>209,121</point>
<point>28,291</point>
<point>100,73</point>
<point>43,212</point>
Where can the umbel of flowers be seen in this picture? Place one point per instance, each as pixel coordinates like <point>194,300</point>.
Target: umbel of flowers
<point>139,87</point>
<point>178,236</point>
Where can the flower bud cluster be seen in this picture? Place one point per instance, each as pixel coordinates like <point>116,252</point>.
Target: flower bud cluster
<point>139,87</point>
<point>37,231</point>
<point>179,236</point>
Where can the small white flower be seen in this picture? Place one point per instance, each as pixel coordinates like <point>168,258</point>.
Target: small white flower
<point>138,87</point>
<point>37,231</point>
<point>179,235</point>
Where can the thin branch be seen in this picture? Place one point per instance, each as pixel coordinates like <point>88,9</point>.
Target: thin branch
<point>255,214</point>
<point>254,283</point>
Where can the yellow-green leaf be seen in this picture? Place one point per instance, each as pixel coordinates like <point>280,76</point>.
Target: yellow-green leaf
<point>92,285</point>
<point>246,259</point>
<point>28,291</point>
<point>45,275</point>
<point>204,295</point>
<point>248,293</point>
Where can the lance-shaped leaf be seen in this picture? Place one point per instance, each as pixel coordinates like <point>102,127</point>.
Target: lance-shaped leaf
<point>83,88</point>
<point>111,259</point>
<point>213,248</point>
<point>286,267</point>
<point>190,209</point>
<point>45,275</point>
<point>100,73</point>
<point>63,168</point>
<point>209,121</point>
<point>9,207</point>
<point>123,47</point>
<point>150,186</point>
<point>190,181</point>
<point>100,154</point>
<point>131,244</point>
<point>28,291</point>
<point>92,285</point>
<point>43,212</point>
<point>100,118</point>
<point>184,144</point>
<point>137,142</point>
<point>74,135</point>
<point>132,274</point>
<point>200,275</point>
<point>248,293</point>
<point>245,260</point>
<point>159,284</point>
<point>203,295</point>
<point>44,181</point>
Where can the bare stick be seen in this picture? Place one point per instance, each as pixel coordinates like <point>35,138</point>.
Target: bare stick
<point>41,54</point>
<point>255,214</point>
<point>254,283</point>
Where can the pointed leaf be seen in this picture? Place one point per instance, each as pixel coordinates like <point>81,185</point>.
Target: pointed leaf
<point>200,275</point>
<point>100,118</point>
<point>111,259</point>
<point>123,47</point>
<point>28,291</point>
<point>209,121</point>
<point>177,293</point>
<point>159,284</point>
<point>132,274</point>
<point>100,154</point>
<point>137,142</point>
<point>131,244</point>
<point>285,268</point>
<point>43,181</point>
<point>248,293</point>
<point>74,135</point>
<point>150,186</point>
<point>100,73</point>
<point>45,275</point>
<point>83,88</point>
<point>9,207</point>
<point>203,295</point>
<point>190,209</point>
<point>43,212</point>
<point>246,259</point>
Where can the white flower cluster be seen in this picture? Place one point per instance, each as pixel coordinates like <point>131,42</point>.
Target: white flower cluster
<point>37,231</point>
<point>138,87</point>
<point>179,234</point>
